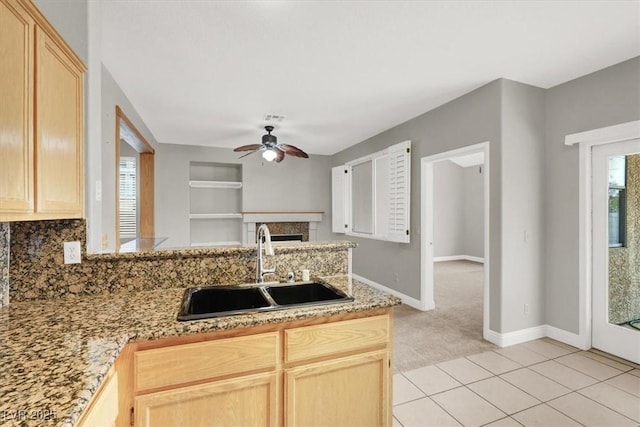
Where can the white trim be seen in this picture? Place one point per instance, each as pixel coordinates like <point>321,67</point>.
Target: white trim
<point>234,185</point>
<point>566,337</point>
<point>606,135</point>
<point>410,301</point>
<point>587,140</point>
<point>458,258</point>
<point>230,215</point>
<point>426,225</point>
<point>516,337</point>
<point>249,217</point>
<point>530,334</point>
<point>215,244</point>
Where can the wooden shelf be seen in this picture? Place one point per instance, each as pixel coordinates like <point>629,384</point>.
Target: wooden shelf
<point>232,185</point>
<point>216,216</point>
<point>215,244</point>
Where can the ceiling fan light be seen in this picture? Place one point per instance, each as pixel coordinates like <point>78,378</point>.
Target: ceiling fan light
<point>269,155</point>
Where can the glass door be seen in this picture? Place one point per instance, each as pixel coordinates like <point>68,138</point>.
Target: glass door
<point>616,249</point>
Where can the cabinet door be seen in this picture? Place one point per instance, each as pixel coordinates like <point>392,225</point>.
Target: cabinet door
<point>245,401</point>
<point>103,409</point>
<point>59,131</point>
<point>352,391</point>
<point>16,110</point>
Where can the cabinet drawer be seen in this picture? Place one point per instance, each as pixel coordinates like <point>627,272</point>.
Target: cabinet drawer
<point>192,362</point>
<point>334,338</point>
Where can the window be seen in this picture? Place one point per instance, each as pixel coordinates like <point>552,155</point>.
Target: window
<point>128,199</point>
<point>617,201</point>
<point>371,195</point>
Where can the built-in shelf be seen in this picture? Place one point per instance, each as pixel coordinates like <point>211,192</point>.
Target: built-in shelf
<point>215,216</point>
<point>233,185</point>
<point>215,204</point>
<point>215,244</point>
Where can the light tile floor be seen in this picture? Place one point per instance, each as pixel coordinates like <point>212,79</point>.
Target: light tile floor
<point>539,383</point>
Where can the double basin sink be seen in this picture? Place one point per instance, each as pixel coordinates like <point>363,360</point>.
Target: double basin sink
<point>217,301</point>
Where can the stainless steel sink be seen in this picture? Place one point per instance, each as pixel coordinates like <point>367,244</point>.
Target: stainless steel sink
<point>218,301</point>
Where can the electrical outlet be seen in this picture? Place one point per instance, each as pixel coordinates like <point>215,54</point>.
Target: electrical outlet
<point>72,253</point>
<point>526,309</point>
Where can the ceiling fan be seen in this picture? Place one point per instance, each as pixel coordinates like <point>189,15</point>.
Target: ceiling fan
<point>271,149</point>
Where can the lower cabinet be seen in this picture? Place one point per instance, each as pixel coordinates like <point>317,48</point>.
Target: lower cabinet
<point>322,372</point>
<point>243,401</point>
<point>349,392</point>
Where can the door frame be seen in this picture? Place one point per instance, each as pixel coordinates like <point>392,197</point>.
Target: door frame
<point>426,224</point>
<point>145,179</point>
<point>605,336</point>
<point>586,141</point>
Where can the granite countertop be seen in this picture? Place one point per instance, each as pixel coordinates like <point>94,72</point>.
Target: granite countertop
<point>55,353</point>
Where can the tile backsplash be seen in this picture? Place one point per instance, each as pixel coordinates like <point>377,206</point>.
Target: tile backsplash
<point>4,263</point>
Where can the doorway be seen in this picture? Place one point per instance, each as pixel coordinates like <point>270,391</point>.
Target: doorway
<point>616,249</point>
<point>134,185</point>
<point>428,200</point>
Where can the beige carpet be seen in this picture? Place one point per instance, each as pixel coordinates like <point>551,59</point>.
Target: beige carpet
<point>452,330</point>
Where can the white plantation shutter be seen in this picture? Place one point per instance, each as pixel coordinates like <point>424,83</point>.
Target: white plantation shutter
<point>338,199</point>
<point>399,190</point>
<point>391,192</point>
<point>128,197</point>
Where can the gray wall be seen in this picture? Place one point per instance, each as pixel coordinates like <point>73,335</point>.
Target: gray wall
<point>458,210</point>
<point>473,211</point>
<point>69,17</point>
<point>448,209</point>
<point>470,119</point>
<point>293,185</point>
<point>510,116</point>
<point>522,168</point>
<point>604,98</point>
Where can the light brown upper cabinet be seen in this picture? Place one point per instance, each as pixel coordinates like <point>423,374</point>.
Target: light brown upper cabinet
<point>41,119</point>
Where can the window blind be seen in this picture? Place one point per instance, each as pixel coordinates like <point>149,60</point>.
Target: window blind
<point>128,197</point>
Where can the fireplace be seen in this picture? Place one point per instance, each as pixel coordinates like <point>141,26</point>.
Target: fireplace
<point>284,226</point>
<point>287,231</point>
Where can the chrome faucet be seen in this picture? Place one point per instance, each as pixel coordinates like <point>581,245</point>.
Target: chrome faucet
<point>263,233</point>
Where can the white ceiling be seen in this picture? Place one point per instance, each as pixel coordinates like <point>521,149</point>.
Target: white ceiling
<point>206,72</point>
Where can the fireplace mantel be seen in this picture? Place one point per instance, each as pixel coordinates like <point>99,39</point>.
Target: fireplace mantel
<point>286,216</point>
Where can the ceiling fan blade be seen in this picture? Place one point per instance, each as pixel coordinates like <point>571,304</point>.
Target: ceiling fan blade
<point>250,152</point>
<point>280,154</point>
<point>248,147</point>
<point>293,151</point>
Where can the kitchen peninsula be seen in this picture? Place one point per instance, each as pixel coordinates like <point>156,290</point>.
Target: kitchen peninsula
<point>56,351</point>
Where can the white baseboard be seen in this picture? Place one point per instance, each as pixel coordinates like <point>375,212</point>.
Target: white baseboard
<point>530,334</point>
<point>567,337</point>
<point>458,258</point>
<point>515,337</point>
<point>410,301</point>
<point>497,338</point>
